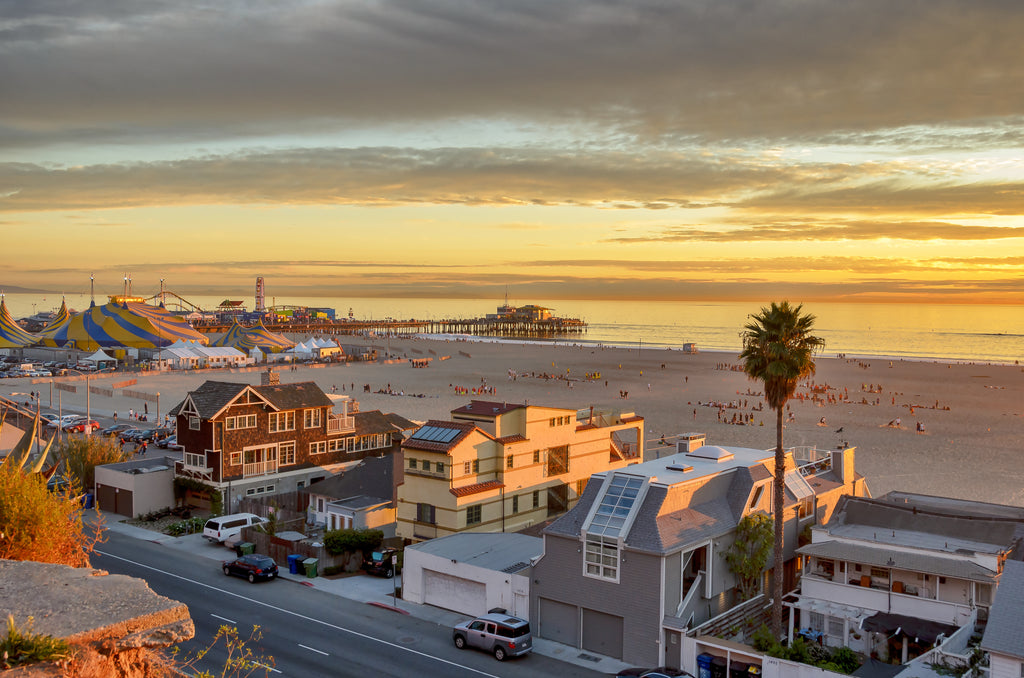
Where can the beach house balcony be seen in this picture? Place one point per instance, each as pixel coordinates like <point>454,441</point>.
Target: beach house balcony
<point>939,598</point>
<point>340,423</point>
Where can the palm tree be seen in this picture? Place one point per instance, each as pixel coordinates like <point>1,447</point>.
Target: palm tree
<point>778,350</point>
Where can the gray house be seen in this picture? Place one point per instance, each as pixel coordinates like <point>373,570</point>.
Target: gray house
<point>1004,633</point>
<point>640,558</point>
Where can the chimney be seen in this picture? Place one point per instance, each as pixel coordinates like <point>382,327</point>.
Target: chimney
<point>842,464</point>
<point>688,442</point>
<point>270,378</point>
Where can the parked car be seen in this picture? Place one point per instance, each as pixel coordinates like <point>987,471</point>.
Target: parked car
<point>657,672</point>
<point>379,563</point>
<point>82,424</point>
<point>220,528</point>
<point>170,442</point>
<point>64,421</point>
<point>497,633</point>
<point>253,566</point>
<point>115,430</point>
<point>129,434</point>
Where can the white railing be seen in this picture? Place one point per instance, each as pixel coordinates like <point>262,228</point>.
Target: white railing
<point>259,468</point>
<point>884,601</point>
<point>340,424</point>
<point>691,594</point>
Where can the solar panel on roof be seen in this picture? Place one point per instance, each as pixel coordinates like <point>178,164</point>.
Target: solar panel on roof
<point>436,434</point>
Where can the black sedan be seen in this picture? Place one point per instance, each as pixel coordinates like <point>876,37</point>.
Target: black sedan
<point>115,430</point>
<point>252,567</point>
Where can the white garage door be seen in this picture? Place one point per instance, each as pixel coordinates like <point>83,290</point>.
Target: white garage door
<point>454,593</point>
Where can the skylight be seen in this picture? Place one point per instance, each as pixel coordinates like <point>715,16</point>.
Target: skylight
<point>616,506</point>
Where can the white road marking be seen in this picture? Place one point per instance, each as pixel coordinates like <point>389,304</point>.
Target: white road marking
<point>217,616</point>
<point>268,668</point>
<point>300,616</point>
<point>312,649</point>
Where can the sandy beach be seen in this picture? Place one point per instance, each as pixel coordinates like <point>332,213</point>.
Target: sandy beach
<point>972,445</point>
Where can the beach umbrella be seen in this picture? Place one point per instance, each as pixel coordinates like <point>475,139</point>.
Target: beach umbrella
<point>125,325</point>
<point>45,337</point>
<point>12,335</point>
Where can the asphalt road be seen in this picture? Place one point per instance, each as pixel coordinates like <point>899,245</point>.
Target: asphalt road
<point>307,632</point>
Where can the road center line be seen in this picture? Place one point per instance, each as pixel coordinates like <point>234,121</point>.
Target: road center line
<point>217,616</point>
<point>312,649</point>
<point>268,668</point>
<point>300,616</point>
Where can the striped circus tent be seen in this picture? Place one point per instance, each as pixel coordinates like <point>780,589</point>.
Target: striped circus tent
<point>11,333</point>
<point>258,336</point>
<point>125,325</point>
<point>45,336</point>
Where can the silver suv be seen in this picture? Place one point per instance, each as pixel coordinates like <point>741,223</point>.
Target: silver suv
<point>500,634</point>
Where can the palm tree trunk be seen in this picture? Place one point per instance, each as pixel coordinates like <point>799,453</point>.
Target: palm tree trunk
<point>778,508</point>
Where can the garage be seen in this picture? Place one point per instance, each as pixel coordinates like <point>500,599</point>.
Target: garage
<point>114,500</point>
<point>454,593</point>
<point>559,622</point>
<point>602,633</point>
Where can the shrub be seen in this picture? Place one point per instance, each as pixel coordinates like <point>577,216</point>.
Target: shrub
<point>846,659</point>
<point>338,542</point>
<point>81,456</point>
<point>188,526</point>
<point>18,647</point>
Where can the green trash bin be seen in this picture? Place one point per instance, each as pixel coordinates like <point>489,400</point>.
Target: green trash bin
<point>310,565</point>
<point>246,548</point>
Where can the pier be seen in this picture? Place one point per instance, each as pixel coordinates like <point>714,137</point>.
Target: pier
<point>483,327</point>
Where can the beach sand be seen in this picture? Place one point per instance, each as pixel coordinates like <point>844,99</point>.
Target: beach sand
<point>973,414</point>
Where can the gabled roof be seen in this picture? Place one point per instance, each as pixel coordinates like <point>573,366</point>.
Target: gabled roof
<point>213,396</point>
<point>486,408</point>
<point>370,422</point>
<point>294,396</point>
<point>400,422</point>
<point>1004,634</point>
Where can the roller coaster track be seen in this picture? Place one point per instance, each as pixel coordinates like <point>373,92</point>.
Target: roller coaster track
<point>182,305</point>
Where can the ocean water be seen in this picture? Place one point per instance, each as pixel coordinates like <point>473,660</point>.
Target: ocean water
<point>983,333</point>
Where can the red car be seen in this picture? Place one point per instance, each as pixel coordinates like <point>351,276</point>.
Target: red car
<point>80,425</point>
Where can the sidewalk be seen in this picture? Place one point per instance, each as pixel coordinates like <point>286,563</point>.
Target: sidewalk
<point>362,588</point>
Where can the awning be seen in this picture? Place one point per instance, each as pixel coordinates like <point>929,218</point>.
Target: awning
<point>923,630</point>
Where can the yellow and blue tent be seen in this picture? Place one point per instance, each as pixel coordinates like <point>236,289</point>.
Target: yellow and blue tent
<point>125,325</point>
<point>258,336</point>
<point>234,338</point>
<point>12,335</point>
<point>45,336</point>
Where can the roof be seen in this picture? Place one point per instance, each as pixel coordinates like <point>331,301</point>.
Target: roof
<point>213,396</point>
<point>294,396</point>
<point>923,630</point>
<point>370,422</point>
<point>476,488</point>
<point>1004,634</point>
<point>400,422</point>
<point>486,408</point>
<point>882,556</point>
<point>500,552</point>
<point>372,477</point>
<point>464,428</point>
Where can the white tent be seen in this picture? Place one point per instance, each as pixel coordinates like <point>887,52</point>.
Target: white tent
<point>99,357</point>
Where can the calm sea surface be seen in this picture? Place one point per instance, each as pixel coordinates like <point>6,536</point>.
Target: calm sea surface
<point>919,331</point>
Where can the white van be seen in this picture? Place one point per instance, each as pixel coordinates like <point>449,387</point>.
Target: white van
<point>220,528</point>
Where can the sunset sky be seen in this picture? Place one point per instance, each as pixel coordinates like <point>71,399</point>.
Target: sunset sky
<point>713,149</point>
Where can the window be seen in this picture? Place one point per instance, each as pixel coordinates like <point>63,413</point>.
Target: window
<point>439,467</point>
<point>241,421</point>
<point>195,460</point>
<point>602,557</point>
<point>508,461</point>
<point>581,485</point>
<point>236,458</point>
<point>756,499</point>
<point>817,621</point>
<point>412,463</point>
<point>193,423</point>
<point>311,418</point>
<point>466,468</point>
<point>515,504</point>
<point>476,466</point>
<point>473,515</point>
<point>536,456</point>
<point>425,513</point>
<point>536,498</point>
<point>426,465</point>
<point>318,448</point>
<point>286,453</point>
<point>835,627</point>
<point>282,421</point>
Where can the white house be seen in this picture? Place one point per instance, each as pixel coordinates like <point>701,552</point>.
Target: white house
<point>1004,633</point>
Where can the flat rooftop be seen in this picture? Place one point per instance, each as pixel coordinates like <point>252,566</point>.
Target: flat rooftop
<point>703,462</point>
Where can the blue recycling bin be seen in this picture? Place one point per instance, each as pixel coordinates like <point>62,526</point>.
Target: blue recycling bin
<point>704,666</point>
<point>88,501</point>
<point>295,563</point>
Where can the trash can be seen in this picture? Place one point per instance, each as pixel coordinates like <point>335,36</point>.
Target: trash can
<point>293,563</point>
<point>704,665</point>
<point>310,564</point>
<point>245,548</point>
<point>738,669</point>
<point>718,668</point>
<point>87,500</point>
